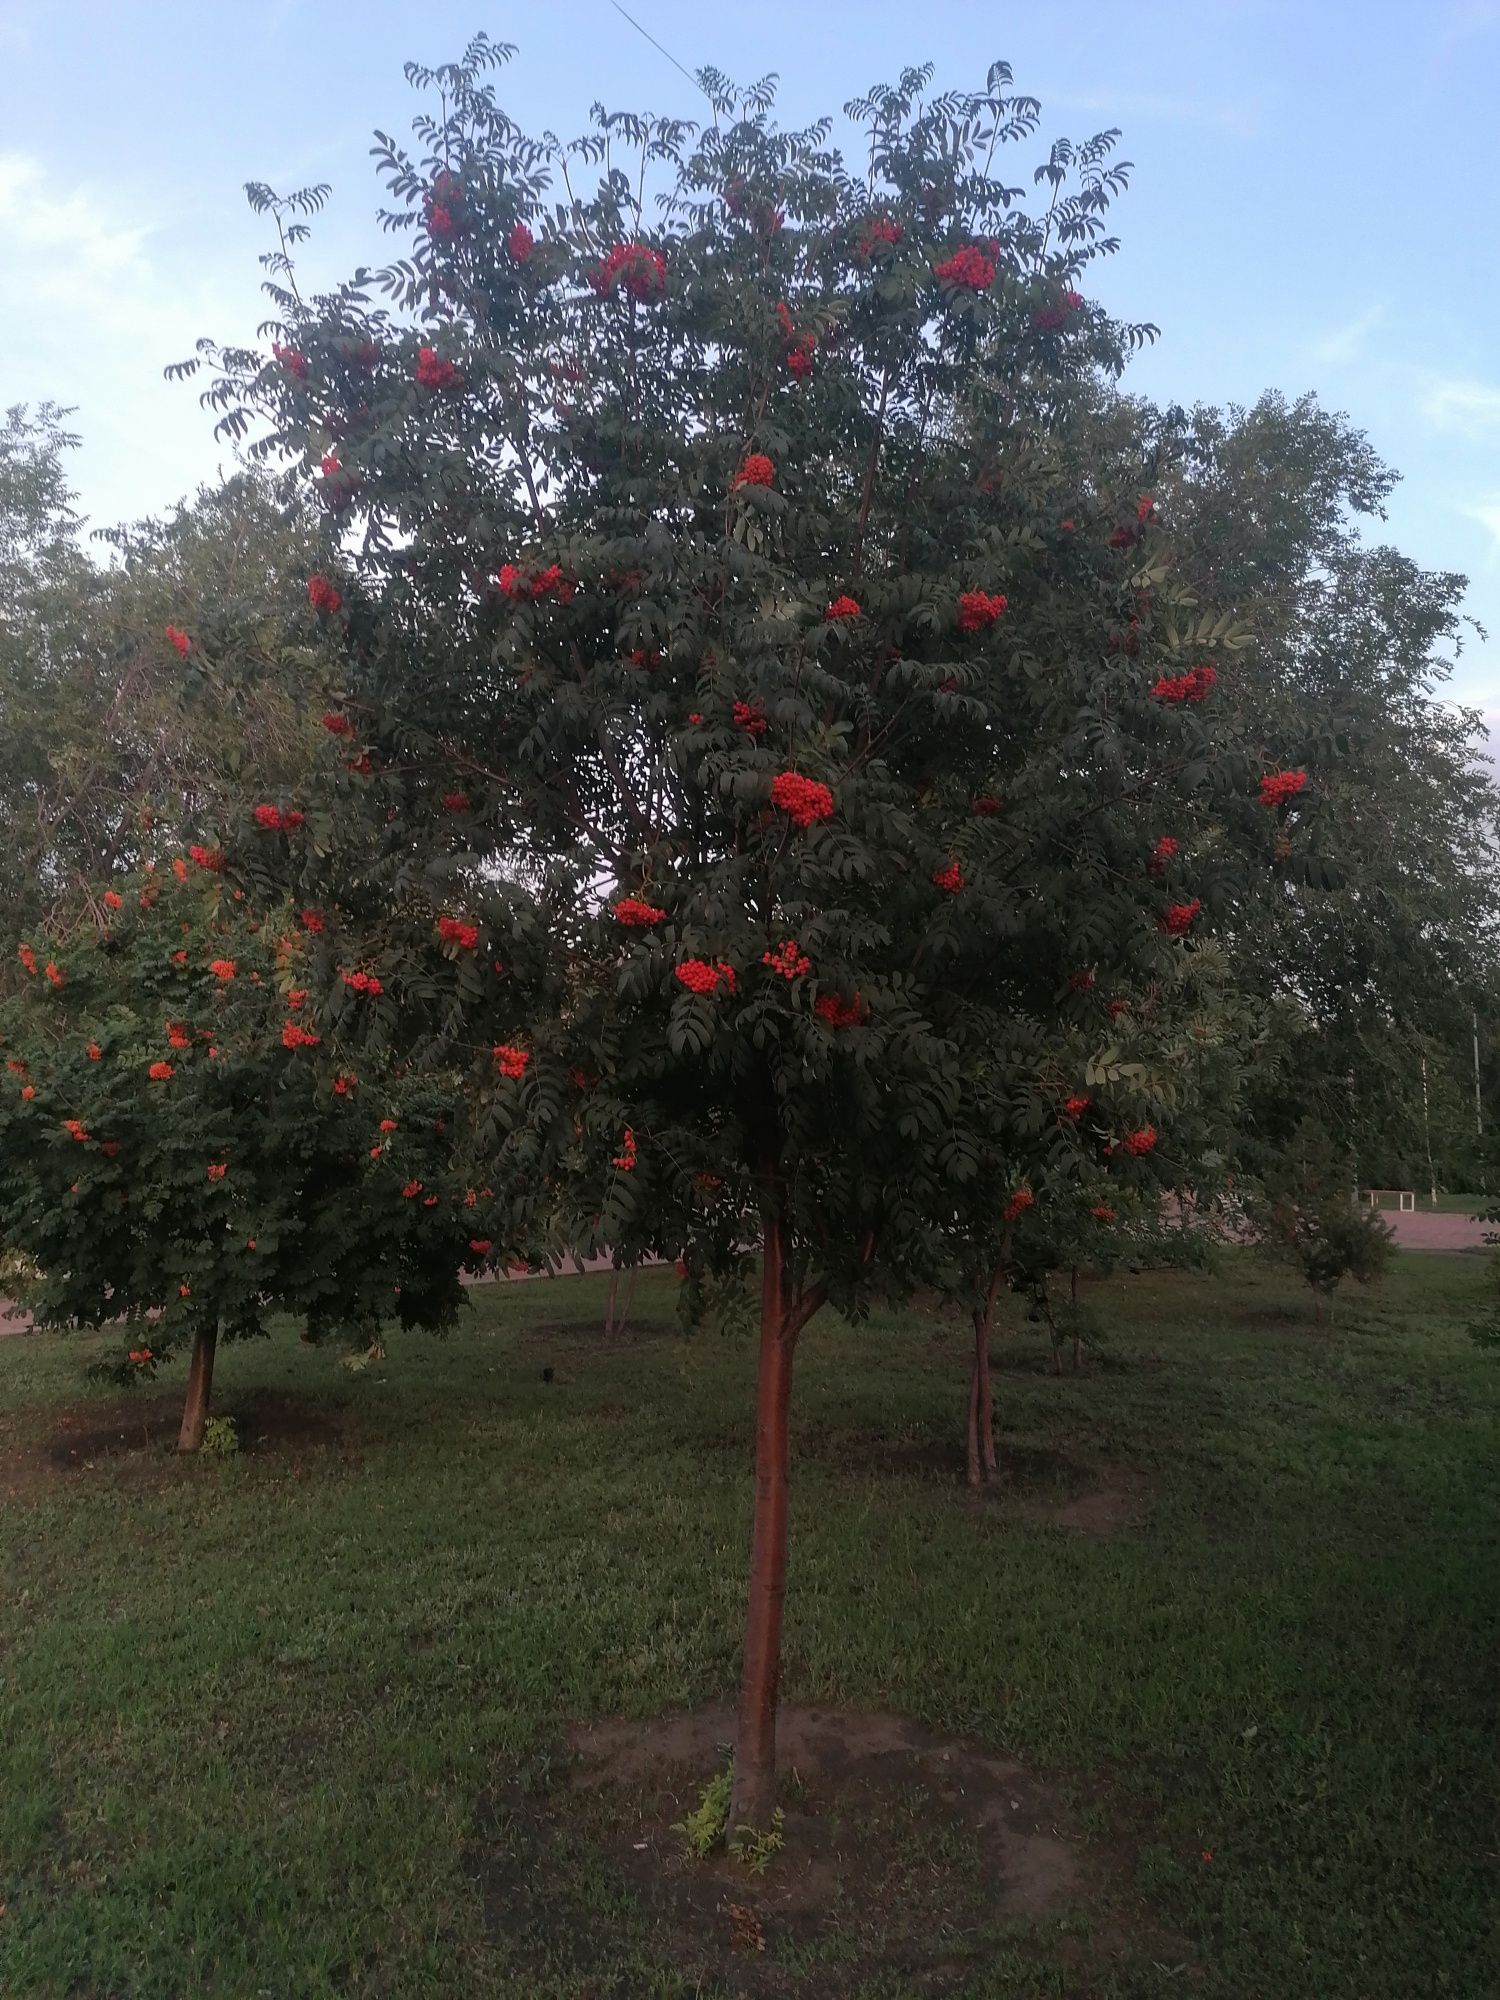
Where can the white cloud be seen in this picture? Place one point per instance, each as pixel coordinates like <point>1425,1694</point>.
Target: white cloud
<point>67,239</point>
<point>1457,403</point>
<point>1486,512</point>
<point>104,287</point>
<point>1120,106</point>
<point>1344,343</point>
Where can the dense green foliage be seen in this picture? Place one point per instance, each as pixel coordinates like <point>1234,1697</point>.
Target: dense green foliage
<point>747,577</point>
<point>178,1141</point>
<point>1377,952</point>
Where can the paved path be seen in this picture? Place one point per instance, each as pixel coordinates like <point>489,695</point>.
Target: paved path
<point>1420,1230</point>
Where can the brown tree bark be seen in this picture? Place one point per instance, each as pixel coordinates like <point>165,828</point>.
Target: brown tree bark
<point>981,1451</point>
<point>975,1411</point>
<point>199,1383</point>
<point>622,1314</point>
<point>782,1318</point>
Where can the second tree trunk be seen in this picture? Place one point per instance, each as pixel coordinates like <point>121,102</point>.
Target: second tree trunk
<point>199,1384</point>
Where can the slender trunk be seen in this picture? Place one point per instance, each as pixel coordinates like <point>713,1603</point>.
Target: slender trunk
<point>755,1744</point>
<point>1073,1285</point>
<point>609,1299</point>
<point>983,1320</point>
<point>624,1312</point>
<point>1056,1337</point>
<point>199,1382</point>
<point>973,1445</point>
<point>981,1441</point>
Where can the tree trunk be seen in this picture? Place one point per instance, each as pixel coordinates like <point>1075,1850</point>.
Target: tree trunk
<point>981,1451</point>
<point>973,1444</point>
<point>609,1299</point>
<point>199,1382</point>
<point>755,1744</point>
<point>985,1412</point>
<point>622,1315</point>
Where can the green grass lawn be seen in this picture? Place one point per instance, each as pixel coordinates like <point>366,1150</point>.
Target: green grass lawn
<point>291,1723</point>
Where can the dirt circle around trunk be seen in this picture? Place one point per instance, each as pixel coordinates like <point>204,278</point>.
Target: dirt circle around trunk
<point>133,1438</point>
<point>905,1854</point>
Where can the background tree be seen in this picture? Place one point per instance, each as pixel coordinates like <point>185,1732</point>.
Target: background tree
<point>1311,1216</point>
<point>184,1147</point>
<point>114,736</point>
<point>1378,948</point>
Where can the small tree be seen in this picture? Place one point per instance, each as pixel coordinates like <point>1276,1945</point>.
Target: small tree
<point>1311,1216</point>
<point>184,1146</point>
<point>1078,1124</point>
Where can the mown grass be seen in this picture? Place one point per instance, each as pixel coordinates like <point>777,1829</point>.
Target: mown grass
<point>256,1715</point>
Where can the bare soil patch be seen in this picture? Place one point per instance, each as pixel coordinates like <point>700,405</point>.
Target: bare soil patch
<point>131,1436</point>
<point>1040,1485</point>
<point>908,1856</point>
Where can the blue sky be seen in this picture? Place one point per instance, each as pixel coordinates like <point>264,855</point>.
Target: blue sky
<point>1311,207</point>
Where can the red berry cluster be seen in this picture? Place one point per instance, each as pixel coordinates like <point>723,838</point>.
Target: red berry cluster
<point>969,267</point>
<point>641,270</point>
<point>978,610</point>
<point>698,976</point>
<point>433,372</point>
<point>788,959</point>
<point>518,583</point>
<point>838,1012</point>
<point>803,800</point>
<point>1194,686</point>
<point>879,229</point>
<point>1276,787</point>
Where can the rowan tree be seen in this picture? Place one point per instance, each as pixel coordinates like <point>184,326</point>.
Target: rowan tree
<point>186,1149</point>
<point>1083,1120</point>
<point>787,712</point>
